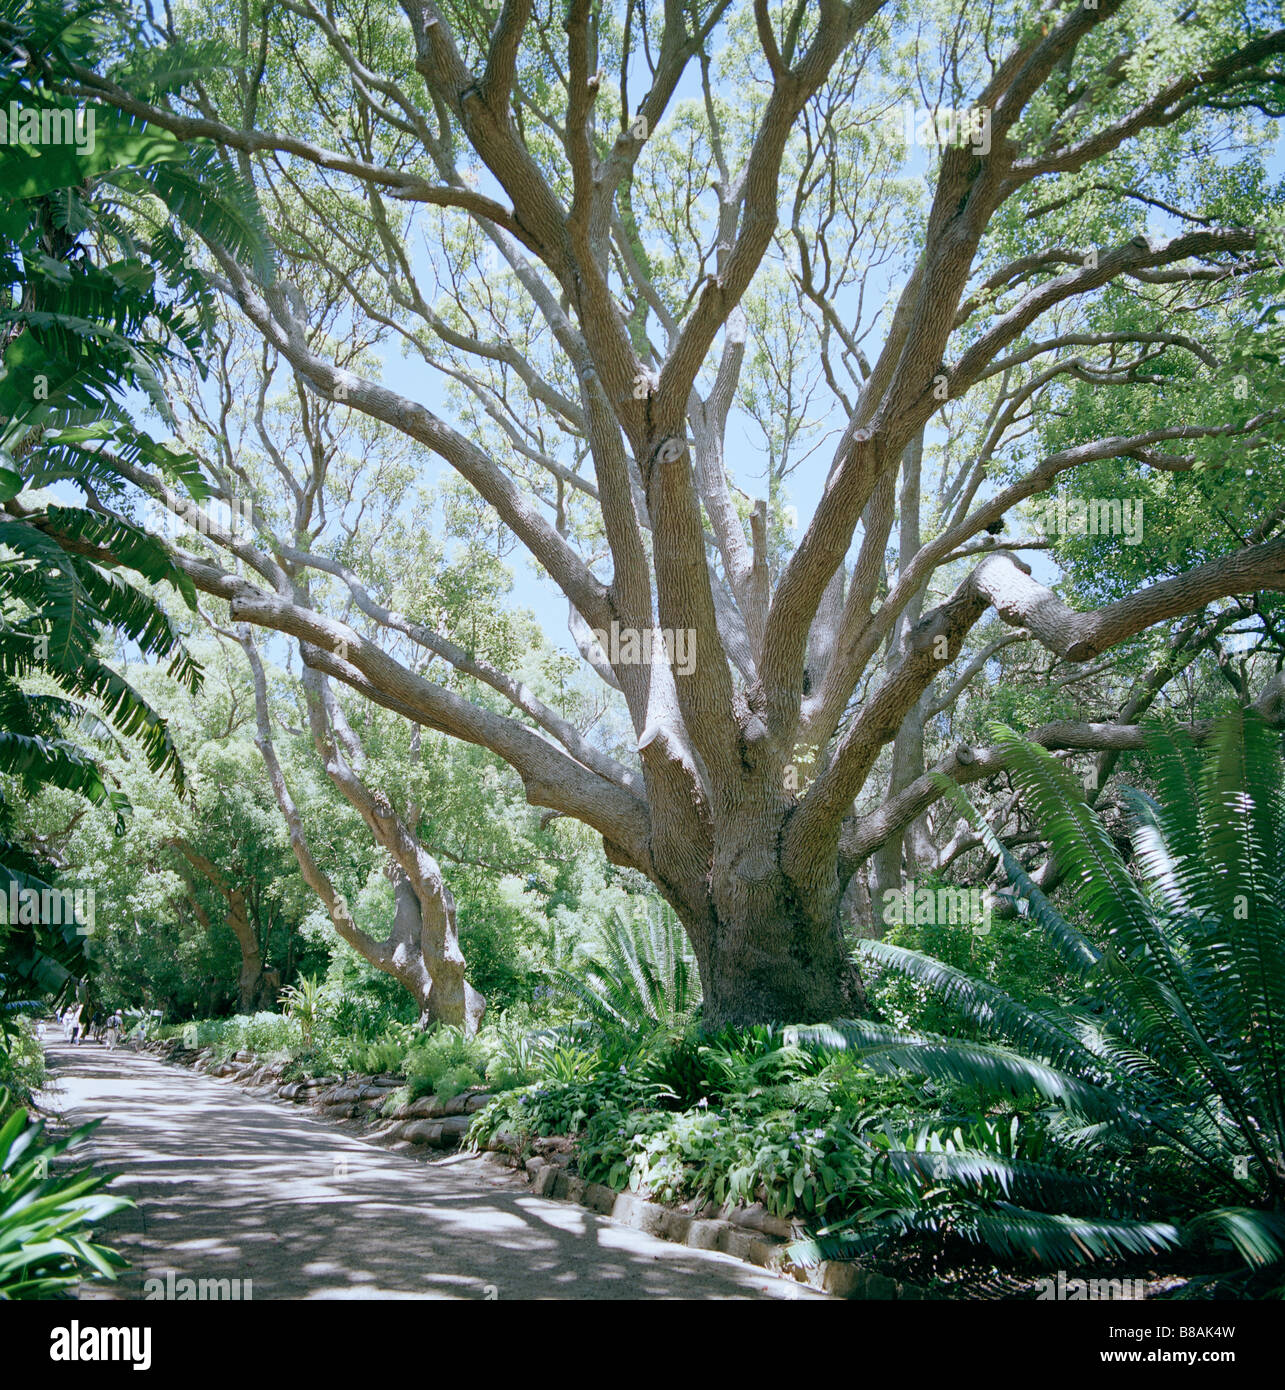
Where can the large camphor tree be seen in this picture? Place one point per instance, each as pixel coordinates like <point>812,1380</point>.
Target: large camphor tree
<point>618,241</point>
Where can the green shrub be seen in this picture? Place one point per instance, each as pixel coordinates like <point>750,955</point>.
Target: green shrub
<point>386,1053</point>
<point>22,1066</point>
<point>511,1054</point>
<point>735,1156</point>
<point>265,1034</point>
<point>641,976</point>
<point>301,1003</point>
<point>321,1059</point>
<point>739,1116</point>
<point>455,1081</point>
<point>395,1099</point>
<point>795,1147</point>
<point>1013,955</point>
<point>443,1055</point>
<point>563,1107</point>
<point>358,1002</point>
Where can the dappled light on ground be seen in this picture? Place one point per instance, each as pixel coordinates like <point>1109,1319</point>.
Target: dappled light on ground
<point>229,1187</point>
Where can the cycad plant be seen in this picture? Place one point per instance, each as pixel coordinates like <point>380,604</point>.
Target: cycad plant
<point>1163,1083</point>
<point>302,1002</point>
<point>642,975</point>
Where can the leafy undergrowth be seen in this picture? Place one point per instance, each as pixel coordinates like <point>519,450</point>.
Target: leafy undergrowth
<point>737,1117</point>
<point>440,1061</point>
<point>748,1117</point>
<point>22,1066</point>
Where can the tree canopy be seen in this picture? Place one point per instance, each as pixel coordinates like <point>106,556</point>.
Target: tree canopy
<point>990,294</point>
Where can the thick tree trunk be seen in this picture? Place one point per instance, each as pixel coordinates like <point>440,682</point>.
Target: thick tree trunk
<point>770,950</point>
<point>426,957</point>
<point>773,966</point>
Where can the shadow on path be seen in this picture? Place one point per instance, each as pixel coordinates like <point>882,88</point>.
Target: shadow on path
<point>230,1187</point>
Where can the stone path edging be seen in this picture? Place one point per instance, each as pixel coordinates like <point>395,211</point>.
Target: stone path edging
<point>747,1233</point>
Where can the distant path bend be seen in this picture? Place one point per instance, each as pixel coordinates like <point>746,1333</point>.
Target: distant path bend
<point>230,1187</point>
